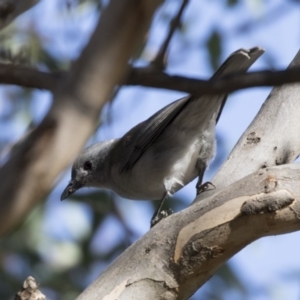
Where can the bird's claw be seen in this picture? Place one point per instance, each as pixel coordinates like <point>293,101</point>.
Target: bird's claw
<point>204,187</point>
<point>162,215</point>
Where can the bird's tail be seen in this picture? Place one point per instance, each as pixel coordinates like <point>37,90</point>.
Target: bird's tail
<point>238,62</point>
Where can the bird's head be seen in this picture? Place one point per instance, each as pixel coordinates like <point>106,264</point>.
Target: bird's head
<point>89,169</point>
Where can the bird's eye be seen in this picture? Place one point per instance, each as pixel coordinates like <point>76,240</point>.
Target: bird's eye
<point>87,165</point>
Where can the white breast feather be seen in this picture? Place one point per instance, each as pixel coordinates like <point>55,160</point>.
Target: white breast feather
<point>183,169</point>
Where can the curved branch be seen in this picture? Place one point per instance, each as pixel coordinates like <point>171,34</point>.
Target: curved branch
<point>183,251</point>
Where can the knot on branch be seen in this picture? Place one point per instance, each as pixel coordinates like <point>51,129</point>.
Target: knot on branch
<point>267,203</point>
<point>252,138</point>
<point>195,252</point>
<point>270,183</point>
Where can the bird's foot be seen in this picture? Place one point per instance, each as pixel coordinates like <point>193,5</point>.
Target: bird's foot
<point>204,187</point>
<point>161,215</point>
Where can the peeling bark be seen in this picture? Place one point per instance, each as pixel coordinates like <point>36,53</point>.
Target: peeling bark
<point>182,252</point>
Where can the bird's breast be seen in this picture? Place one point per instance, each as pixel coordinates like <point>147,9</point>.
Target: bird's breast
<point>166,166</point>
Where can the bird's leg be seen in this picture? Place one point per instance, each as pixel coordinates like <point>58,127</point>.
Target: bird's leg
<point>159,213</point>
<point>202,187</point>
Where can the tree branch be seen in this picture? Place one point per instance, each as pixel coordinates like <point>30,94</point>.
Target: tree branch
<point>11,9</point>
<point>153,78</point>
<point>183,251</point>
<point>149,77</point>
<point>29,77</point>
<point>30,172</point>
<point>159,61</point>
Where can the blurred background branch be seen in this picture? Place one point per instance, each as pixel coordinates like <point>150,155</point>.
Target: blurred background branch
<point>10,9</point>
<point>159,61</point>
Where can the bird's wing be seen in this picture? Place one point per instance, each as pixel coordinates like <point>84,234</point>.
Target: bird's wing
<point>138,139</point>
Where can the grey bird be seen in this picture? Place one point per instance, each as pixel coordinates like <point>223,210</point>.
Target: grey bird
<point>161,155</point>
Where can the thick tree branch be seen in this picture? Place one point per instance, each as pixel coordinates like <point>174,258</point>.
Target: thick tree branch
<point>30,172</point>
<point>183,251</point>
<point>149,77</point>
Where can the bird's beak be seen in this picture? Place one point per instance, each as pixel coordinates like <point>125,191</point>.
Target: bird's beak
<point>71,188</point>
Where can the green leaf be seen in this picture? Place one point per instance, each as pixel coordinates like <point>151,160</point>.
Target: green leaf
<point>214,46</point>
